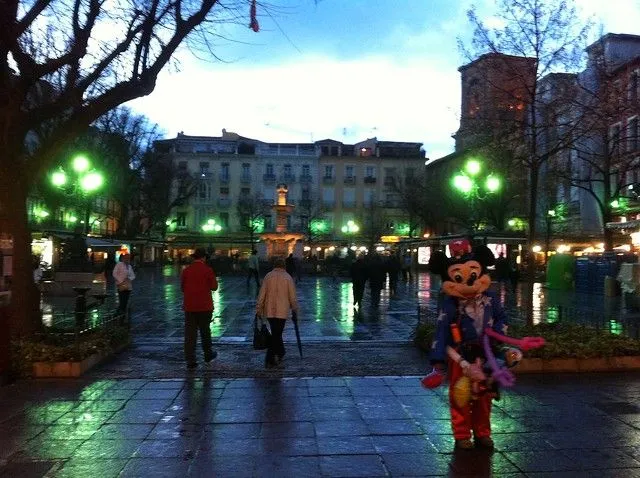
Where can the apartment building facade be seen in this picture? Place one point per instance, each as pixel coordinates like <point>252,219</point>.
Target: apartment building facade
<point>337,181</point>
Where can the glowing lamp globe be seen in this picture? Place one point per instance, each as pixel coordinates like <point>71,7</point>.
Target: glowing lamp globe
<point>463,183</point>
<point>473,167</point>
<point>492,184</point>
<point>80,164</point>
<point>91,182</point>
<point>58,178</point>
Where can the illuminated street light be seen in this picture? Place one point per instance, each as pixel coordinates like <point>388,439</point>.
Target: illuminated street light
<point>211,226</point>
<point>473,167</point>
<point>463,183</point>
<point>615,204</point>
<point>81,185</point>
<point>80,164</point>
<point>58,178</point>
<point>492,184</point>
<point>91,182</point>
<point>350,228</point>
<point>551,212</point>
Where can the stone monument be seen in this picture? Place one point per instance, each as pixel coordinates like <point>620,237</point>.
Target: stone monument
<point>282,242</point>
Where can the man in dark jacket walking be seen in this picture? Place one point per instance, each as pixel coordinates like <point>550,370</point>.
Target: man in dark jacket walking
<point>197,282</point>
<point>377,276</point>
<point>359,279</point>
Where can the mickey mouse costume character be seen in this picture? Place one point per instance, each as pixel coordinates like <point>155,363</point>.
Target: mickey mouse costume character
<point>469,327</point>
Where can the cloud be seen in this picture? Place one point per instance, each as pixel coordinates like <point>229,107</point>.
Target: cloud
<point>314,98</point>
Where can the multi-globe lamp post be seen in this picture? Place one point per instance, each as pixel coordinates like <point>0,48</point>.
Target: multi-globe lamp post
<point>209,228</point>
<point>475,186</point>
<point>350,228</point>
<point>82,184</point>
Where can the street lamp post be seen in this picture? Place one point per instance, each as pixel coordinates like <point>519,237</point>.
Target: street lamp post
<point>551,215</point>
<point>210,228</point>
<point>473,187</point>
<point>85,182</point>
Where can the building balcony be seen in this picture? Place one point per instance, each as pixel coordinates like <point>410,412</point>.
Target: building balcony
<point>348,204</point>
<point>389,181</point>
<point>224,202</point>
<point>328,204</point>
<point>306,179</point>
<point>224,178</point>
<point>370,180</point>
<point>269,178</point>
<point>391,204</point>
<point>288,178</point>
<point>245,179</point>
<point>350,180</point>
<point>200,200</point>
<point>328,180</point>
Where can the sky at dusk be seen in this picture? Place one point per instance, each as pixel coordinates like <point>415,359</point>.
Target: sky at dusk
<point>341,69</point>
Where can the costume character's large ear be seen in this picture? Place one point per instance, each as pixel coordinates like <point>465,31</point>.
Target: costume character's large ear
<point>484,256</point>
<point>438,264</point>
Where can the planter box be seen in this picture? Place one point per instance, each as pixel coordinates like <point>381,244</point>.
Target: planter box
<point>603,364</point>
<point>72,369</point>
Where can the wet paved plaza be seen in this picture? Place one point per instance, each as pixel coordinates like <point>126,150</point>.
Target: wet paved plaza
<point>565,426</point>
<point>327,313</point>
<point>352,406</point>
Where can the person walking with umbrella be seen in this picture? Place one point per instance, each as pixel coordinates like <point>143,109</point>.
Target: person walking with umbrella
<point>277,297</point>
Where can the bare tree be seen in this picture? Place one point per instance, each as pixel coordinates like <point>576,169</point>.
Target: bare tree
<point>550,36</point>
<point>64,64</point>
<point>164,188</point>
<point>252,210</point>
<point>374,223</point>
<point>312,214</point>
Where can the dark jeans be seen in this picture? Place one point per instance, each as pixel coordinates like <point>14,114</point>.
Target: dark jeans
<point>375,295</point>
<point>358,292</point>
<point>253,273</point>
<point>194,321</point>
<point>123,301</point>
<point>276,345</point>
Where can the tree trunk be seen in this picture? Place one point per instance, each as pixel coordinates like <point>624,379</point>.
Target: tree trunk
<point>531,237</point>
<point>24,311</point>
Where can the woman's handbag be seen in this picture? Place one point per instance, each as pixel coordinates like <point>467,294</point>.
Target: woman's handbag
<point>261,334</point>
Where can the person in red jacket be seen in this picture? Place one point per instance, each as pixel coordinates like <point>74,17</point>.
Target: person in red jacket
<point>197,282</point>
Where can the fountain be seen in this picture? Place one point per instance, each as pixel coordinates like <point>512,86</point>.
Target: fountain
<point>282,242</point>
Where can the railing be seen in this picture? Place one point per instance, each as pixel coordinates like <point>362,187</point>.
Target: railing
<point>224,202</point>
<point>224,178</point>
<point>348,204</point>
<point>328,180</point>
<point>245,179</point>
<point>288,178</point>
<point>615,322</point>
<point>269,178</point>
<point>370,180</point>
<point>350,180</point>
<point>306,179</point>
<point>86,318</point>
<point>328,204</point>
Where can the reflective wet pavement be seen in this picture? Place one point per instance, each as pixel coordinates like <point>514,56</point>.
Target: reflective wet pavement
<point>566,425</point>
<point>323,415</point>
<point>327,313</point>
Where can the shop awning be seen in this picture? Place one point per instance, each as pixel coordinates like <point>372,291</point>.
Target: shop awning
<point>94,242</point>
<point>635,224</point>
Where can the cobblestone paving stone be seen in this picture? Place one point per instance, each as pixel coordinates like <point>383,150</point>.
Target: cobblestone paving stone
<point>570,425</point>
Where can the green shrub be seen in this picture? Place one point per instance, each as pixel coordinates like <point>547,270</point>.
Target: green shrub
<point>52,348</point>
<point>563,340</point>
